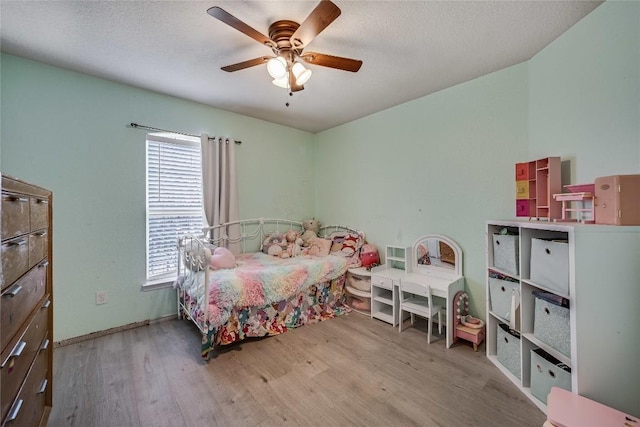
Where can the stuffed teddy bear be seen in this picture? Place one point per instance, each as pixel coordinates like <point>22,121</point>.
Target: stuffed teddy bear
<point>311,229</point>
<point>222,258</point>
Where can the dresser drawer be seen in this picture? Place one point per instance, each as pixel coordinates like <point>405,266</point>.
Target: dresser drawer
<point>19,300</point>
<point>381,282</point>
<point>37,246</point>
<point>27,409</point>
<point>526,208</point>
<point>15,259</point>
<point>15,215</point>
<point>522,189</point>
<point>522,171</point>
<point>16,360</point>
<point>39,212</point>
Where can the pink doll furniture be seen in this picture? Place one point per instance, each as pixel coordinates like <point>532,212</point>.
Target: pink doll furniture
<point>467,327</point>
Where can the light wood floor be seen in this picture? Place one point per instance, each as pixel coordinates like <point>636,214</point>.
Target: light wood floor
<point>348,371</point>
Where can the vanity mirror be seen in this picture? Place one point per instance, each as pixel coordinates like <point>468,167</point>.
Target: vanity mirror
<point>435,254</point>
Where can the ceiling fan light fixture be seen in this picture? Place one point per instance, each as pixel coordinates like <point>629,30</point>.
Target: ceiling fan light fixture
<point>282,82</point>
<point>301,73</point>
<point>277,67</point>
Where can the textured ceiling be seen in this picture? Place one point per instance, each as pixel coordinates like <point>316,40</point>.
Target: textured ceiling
<point>409,48</point>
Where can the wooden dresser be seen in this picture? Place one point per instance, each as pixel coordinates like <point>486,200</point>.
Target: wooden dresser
<point>26,304</point>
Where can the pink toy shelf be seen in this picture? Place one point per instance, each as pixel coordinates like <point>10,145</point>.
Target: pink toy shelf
<point>536,182</point>
<point>583,195</point>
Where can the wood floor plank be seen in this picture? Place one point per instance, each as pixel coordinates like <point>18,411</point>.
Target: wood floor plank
<point>347,371</point>
<point>154,397</point>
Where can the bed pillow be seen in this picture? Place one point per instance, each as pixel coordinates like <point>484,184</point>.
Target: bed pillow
<point>347,245</point>
<point>319,246</point>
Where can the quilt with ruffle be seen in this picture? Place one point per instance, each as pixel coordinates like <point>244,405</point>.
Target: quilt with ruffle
<point>258,280</point>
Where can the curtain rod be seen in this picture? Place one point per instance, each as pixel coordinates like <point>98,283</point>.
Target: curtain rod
<point>137,126</point>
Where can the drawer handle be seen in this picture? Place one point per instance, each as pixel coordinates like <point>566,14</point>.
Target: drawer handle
<point>15,409</point>
<point>43,386</point>
<point>16,352</point>
<point>44,345</point>
<point>20,242</point>
<point>41,233</point>
<point>42,201</point>
<point>46,304</point>
<point>43,264</point>
<point>13,291</point>
<point>17,199</point>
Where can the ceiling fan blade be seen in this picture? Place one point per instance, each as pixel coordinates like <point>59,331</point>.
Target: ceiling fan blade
<point>324,14</point>
<point>246,64</point>
<point>234,22</point>
<point>293,86</point>
<point>338,62</point>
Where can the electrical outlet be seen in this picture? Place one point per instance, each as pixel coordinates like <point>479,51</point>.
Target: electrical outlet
<point>101,297</point>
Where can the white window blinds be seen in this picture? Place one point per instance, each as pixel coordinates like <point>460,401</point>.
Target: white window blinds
<point>174,200</point>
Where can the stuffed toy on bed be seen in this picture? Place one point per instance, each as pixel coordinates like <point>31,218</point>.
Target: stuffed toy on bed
<point>294,243</point>
<point>222,258</point>
<point>311,229</point>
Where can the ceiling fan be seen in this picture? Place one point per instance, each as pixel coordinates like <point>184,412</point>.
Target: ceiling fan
<point>287,40</point>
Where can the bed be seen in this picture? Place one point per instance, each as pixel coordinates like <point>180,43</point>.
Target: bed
<point>264,293</point>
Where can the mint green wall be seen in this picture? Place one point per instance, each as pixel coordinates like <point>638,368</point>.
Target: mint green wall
<point>67,132</point>
<point>441,164</point>
<point>438,164</point>
<point>445,163</point>
<point>585,95</point>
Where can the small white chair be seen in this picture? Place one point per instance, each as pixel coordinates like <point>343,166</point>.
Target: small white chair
<point>416,299</point>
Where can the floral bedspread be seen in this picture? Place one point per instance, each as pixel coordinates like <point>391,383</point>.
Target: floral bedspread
<point>258,280</point>
<point>320,302</point>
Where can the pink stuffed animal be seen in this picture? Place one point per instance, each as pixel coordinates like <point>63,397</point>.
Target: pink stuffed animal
<point>222,258</point>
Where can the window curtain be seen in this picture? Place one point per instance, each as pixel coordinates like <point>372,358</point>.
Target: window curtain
<point>219,185</point>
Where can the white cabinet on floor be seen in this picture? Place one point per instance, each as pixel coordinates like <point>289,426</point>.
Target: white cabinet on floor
<point>602,268</point>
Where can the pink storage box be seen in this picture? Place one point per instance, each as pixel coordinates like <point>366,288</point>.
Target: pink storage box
<point>618,200</point>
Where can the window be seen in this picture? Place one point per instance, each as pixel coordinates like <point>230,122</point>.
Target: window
<point>174,199</point>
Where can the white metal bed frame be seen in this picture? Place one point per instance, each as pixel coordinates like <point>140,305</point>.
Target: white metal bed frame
<point>193,250</point>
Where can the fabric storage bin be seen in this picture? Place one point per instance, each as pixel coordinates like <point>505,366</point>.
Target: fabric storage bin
<point>551,321</point>
<point>508,349</point>
<point>550,264</point>
<point>506,253</point>
<point>504,297</point>
<point>547,372</point>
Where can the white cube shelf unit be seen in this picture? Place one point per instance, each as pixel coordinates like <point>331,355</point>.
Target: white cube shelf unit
<point>604,317</point>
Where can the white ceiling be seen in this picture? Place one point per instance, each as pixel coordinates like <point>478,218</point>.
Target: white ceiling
<point>409,48</point>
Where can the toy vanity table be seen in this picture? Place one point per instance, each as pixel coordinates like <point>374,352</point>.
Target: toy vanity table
<point>433,260</point>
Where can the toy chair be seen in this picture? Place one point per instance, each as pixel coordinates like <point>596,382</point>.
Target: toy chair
<point>416,299</point>
<point>467,327</point>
